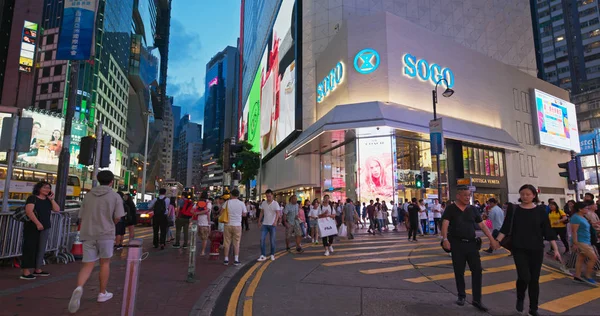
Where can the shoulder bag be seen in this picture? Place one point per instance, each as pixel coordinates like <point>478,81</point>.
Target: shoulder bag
<point>224,216</point>
<point>506,242</point>
<point>20,214</point>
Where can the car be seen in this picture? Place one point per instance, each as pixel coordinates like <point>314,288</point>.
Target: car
<point>144,214</point>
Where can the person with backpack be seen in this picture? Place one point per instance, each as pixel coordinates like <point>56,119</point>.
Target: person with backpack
<point>183,222</point>
<point>120,227</point>
<point>160,221</point>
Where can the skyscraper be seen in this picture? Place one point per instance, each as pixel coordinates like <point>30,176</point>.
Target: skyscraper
<point>221,95</point>
<point>189,152</point>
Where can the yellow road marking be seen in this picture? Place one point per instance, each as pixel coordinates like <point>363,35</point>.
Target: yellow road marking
<point>448,276</point>
<point>369,248</point>
<point>252,287</point>
<point>343,263</point>
<point>247,307</point>
<point>364,254</point>
<point>506,286</point>
<point>566,303</point>
<point>374,238</point>
<point>365,243</point>
<point>425,264</point>
<point>235,295</point>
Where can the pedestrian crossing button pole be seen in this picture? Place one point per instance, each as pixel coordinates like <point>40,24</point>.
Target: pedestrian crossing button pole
<point>192,261</point>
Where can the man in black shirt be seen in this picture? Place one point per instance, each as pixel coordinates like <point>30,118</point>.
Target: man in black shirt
<point>413,219</point>
<point>458,231</point>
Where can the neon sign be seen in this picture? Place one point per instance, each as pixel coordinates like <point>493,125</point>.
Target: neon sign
<point>366,61</point>
<point>420,68</point>
<point>330,82</point>
<point>213,82</point>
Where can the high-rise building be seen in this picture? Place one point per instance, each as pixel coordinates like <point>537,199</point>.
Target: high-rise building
<point>16,88</point>
<point>176,110</point>
<point>167,141</point>
<point>163,33</point>
<point>221,99</point>
<point>337,98</point>
<point>189,152</point>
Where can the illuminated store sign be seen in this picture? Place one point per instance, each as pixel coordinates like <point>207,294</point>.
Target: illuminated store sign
<point>330,82</point>
<point>366,61</point>
<point>420,68</point>
<point>213,82</point>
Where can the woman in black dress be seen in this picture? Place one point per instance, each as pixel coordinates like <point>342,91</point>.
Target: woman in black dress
<point>530,227</point>
<point>38,207</point>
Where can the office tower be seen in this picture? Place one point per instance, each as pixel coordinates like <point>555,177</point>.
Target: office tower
<point>189,152</point>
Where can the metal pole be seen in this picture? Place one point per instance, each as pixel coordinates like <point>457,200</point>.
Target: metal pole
<point>145,157</point>
<point>134,257</point>
<point>9,167</point>
<point>65,154</point>
<point>596,163</point>
<point>437,156</point>
<point>192,261</point>
<point>576,182</point>
<point>97,155</point>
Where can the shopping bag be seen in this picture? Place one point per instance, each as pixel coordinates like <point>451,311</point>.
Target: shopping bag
<point>327,227</point>
<point>343,231</point>
<point>224,216</point>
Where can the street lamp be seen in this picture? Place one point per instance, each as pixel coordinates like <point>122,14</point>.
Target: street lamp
<point>447,93</point>
<point>148,115</point>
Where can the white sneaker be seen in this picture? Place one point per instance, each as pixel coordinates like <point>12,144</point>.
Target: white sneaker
<point>75,300</point>
<point>331,249</point>
<point>272,258</point>
<point>261,258</point>
<point>326,252</point>
<point>103,297</point>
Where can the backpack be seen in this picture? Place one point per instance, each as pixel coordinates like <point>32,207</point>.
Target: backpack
<point>160,207</point>
<point>186,209</point>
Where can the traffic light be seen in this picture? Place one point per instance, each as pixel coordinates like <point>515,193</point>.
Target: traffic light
<point>570,170</point>
<point>426,181</point>
<point>579,169</point>
<point>253,191</point>
<point>105,152</point>
<point>418,181</point>
<point>87,147</point>
<point>133,192</point>
<point>234,150</point>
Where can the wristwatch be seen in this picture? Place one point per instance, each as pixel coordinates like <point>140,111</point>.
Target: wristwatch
<point>445,239</point>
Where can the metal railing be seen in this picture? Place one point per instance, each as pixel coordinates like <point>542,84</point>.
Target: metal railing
<point>57,248</point>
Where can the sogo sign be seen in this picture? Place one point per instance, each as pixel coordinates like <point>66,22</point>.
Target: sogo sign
<point>330,82</point>
<point>427,72</point>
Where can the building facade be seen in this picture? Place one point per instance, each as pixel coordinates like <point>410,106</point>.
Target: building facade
<point>167,141</point>
<point>349,112</point>
<point>212,174</point>
<point>221,99</point>
<point>189,152</point>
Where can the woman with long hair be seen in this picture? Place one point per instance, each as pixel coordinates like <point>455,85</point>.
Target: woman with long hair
<point>132,217</point>
<point>582,244</point>
<point>558,222</point>
<point>38,207</point>
<point>529,225</point>
<point>313,217</point>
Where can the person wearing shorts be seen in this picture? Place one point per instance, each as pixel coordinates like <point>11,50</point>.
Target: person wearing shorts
<point>202,210</point>
<point>100,210</point>
<point>232,232</point>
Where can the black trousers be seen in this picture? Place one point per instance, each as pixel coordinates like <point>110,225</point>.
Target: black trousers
<point>437,222</point>
<point>529,265</point>
<point>327,241</point>
<point>413,229</point>
<point>245,223</point>
<point>31,243</point>
<point>161,224</point>
<point>562,233</point>
<point>463,253</point>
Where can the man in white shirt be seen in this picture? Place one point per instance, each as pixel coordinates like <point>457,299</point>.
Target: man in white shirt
<point>394,215</point>
<point>233,228</point>
<point>437,215</point>
<point>269,217</point>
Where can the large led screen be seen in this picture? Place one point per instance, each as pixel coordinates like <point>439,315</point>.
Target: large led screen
<point>375,169</point>
<point>556,122</point>
<point>272,97</point>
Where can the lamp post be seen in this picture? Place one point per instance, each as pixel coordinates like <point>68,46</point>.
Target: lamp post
<point>148,115</point>
<point>447,93</point>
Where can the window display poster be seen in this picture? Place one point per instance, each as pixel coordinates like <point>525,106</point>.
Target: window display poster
<point>556,122</point>
<point>375,169</point>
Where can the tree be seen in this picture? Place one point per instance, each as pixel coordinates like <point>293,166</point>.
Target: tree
<point>247,162</point>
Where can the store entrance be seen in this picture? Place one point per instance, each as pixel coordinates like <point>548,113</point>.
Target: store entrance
<point>484,195</point>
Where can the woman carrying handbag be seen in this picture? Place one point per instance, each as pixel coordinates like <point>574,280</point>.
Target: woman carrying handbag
<point>523,232</point>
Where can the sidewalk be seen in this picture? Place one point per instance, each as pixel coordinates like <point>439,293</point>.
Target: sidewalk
<point>162,290</point>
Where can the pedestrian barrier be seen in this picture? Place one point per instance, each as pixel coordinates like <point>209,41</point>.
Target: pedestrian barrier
<point>57,250</point>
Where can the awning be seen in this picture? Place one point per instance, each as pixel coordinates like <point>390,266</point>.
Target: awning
<point>344,119</point>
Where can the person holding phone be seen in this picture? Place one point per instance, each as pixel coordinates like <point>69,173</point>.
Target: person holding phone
<point>39,205</point>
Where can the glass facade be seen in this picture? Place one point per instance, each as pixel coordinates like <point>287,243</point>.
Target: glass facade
<point>482,162</point>
<point>53,11</point>
<point>214,110</point>
<point>115,16</point>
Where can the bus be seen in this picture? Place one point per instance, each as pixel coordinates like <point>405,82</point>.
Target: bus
<point>23,179</point>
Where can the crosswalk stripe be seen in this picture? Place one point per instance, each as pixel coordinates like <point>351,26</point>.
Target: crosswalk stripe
<point>424,264</point>
<point>372,242</point>
<point>448,276</point>
<point>506,286</point>
<point>374,238</point>
<point>343,263</point>
<point>364,254</point>
<point>566,303</point>
<point>369,248</point>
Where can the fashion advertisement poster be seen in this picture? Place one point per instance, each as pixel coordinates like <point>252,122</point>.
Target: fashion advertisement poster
<point>375,169</point>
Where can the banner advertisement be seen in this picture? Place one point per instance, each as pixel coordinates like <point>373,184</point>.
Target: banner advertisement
<point>375,169</point>
<point>556,122</point>
<point>586,142</point>
<point>76,38</point>
<point>28,45</point>
<point>2,116</point>
<point>254,112</point>
<point>243,124</point>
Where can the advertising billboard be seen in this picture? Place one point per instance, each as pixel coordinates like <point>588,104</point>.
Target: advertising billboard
<point>28,44</point>
<point>586,143</point>
<point>276,80</point>
<point>243,124</point>
<point>77,30</point>
<point>375,169</point>
<point>556,122</point>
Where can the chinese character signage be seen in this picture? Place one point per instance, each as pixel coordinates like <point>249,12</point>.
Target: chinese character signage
<point>77,32</point>
<point>28,44</point>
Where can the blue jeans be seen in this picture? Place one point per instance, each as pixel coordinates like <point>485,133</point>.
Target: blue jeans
<point>264,230</point>
<point>381,224</point>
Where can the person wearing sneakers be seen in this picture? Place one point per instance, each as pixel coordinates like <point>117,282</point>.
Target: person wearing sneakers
<point>232,231</point>
<point>326,211</point>
<point>292,224</point>
<point>313,217</point>
<point>202,210</point>
<point>269,217</point>
<point>100,210</point>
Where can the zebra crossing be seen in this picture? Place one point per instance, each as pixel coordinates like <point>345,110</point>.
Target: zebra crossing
<point>424,262</point>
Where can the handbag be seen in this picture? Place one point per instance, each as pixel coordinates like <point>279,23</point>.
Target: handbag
<point>506,242</point>
<point>343,231</point>
<point>224,216</point>
<point>327,227</point>
<point>20,214</point>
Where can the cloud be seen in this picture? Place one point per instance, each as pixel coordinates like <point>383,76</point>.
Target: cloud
<point>187,95</point>
<point>183,45</point>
